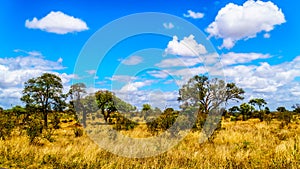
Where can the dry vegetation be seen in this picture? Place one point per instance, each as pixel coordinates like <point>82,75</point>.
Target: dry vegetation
<point>241,144</point>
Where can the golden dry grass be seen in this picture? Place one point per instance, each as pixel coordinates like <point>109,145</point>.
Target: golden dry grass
<point>250,144</point>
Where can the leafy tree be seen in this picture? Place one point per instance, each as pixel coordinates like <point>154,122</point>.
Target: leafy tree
<point>105,101</point>
<point>44,94</point>
<point>296,108</point>
<point>146,111</point>
<point>205,93</point>
<point>281,109</point>
<point>234,109</point>
<point>259,102</point>
<point>76,93</point>
<point>108,103</point>
<point>246,110</point>
<point>146,107</point>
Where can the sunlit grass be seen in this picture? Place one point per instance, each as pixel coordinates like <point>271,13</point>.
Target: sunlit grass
<point>249,144</point>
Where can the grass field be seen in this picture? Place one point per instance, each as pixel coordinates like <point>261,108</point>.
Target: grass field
<point>241,144</point>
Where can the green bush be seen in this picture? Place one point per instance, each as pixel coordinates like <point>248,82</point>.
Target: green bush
<point>78,132</point>
<point>7,123</point>
<point>34,129</point>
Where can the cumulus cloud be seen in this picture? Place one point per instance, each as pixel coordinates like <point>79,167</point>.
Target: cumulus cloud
<point>57,22</point>
<point>232,58</point>
<point>132,60</point>
<point>186,47</point>
<point>194,15</point>
<point>159,74</point>
<point>168,25</point>
<point>15,71</point>
<point>235,22</point>
<point>134,86</point>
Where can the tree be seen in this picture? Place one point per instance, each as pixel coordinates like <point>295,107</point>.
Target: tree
<point>296,108</point>
<point>246,110</point>
<point>259,102</point>
<point>105,102</point>
<point>281,109</point>
<point>76,93</point>
<point>199,91</point>
<point>234,109</point>
<point>44,94</point>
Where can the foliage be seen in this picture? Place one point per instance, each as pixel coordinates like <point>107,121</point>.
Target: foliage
<point>120,122</point>
<point>281,109</point>
<point>163,122</point>
<point>78,132</point>
<point>44,94</point>
<point>109,103</point>
<point>246,110</point>
<point>259,102</point>
<point>34,129</point>
<point>296,108</point>
<point>207,94</point>
<point>7,123</point>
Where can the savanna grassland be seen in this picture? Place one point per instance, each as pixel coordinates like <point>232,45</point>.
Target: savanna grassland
<point>239,144</point>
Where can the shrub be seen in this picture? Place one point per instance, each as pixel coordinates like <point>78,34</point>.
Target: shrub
<point>78,132</point>
<point>34,129</point>
<point>7,123</point>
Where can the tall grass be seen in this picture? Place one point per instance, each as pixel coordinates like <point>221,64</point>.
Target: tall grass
<point>248,144</point>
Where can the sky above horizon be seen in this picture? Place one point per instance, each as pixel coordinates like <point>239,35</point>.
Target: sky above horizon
<point>255,42</point>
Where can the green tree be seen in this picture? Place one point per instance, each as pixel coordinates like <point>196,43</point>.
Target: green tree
<point>259,102</point>
<point>296,108</point>
<point>246,110</point>
<point>234,109</point>
<point>76,93</point>
<point>281,109</point>
<point>205,94</point>
<point>44,94</point>
<point>105,101</point>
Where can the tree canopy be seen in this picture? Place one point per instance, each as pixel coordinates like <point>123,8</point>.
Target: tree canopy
<point>44,94</point>
<point>205,93</point>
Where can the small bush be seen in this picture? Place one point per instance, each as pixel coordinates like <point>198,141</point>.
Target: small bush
<point>34,129</point>
<point>7,123</point>
<point>78,132</point>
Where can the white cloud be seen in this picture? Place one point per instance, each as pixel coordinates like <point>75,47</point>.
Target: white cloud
<point>168,25</point>
<point>57,22</point>
<point>267,35</point>
<point>159,74</point>
<point>132,60</point>
<point>235,22</point>
<point>15,71</point>
<point>91,72</point>
<point>134,86</point>
<point>237,58</point>
<point>194,15</point>
<point>179,62</point>
<point>122,78</point>
<point>186,47</point>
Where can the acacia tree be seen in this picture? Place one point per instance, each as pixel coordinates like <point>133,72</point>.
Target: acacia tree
<point>259,102</point>
<point>44,94</point>
<point>246,110</point>
<point>205,93</point>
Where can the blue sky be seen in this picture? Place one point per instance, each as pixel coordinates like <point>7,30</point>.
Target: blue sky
<point>256,42</point>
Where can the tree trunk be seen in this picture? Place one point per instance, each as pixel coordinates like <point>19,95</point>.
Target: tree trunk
<point>84,113</point>
<point>104,114</point>
<point>46,119</point>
